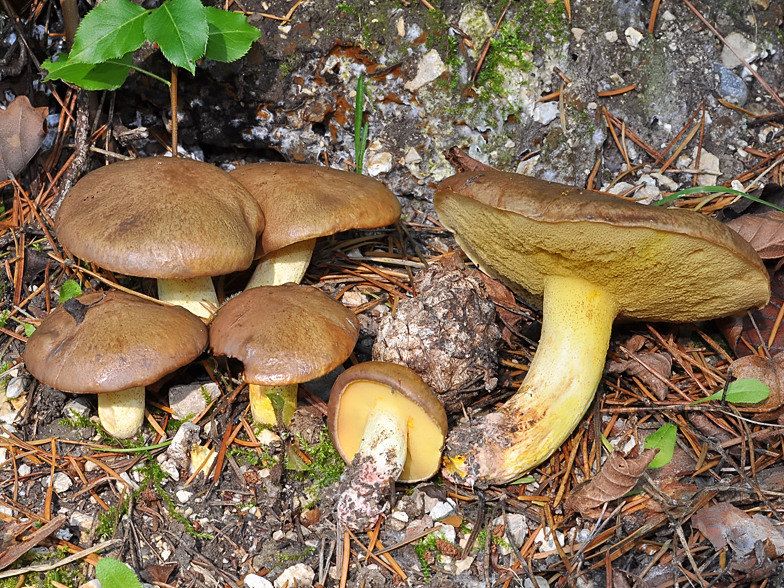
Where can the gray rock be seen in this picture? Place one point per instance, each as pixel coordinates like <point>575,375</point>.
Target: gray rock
<point>731,86</point>
<point>77,407</point>
<point>191,399</point>
<point>747,49</point>
<point>16,387</point>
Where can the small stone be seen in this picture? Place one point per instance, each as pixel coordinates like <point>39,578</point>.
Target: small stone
<point>25,469</point>
<point>16,387</point>
<point>81,521</point>
<point>731,86</point>
<point>353,299</point>
<point>179,450</point>
<point>649,192</point>
<point>430,68</point>
<point>278,535</point>
<point>710,164</point>
<point>397,521</point>
<point>254,581</point>
<point>61,482</point>
<point>633,37</point>
<point>95,583</point>
<point>446,532</point>
<point>461,565</point>
<point>267,437</point>
<point>378,162</point>
<point>668,16</point>
<point>545,112</point>
<point>747,49</point>
<point>122,487</point>
<point>401,27</point>
<point>611,36</point>
<point>297,575</point>
<point>183,496</point>
<point>170,469</point>
<point>665,181</point>
<point>517,528</point>
<point>190,400</point>
<point>545,539</point>
<point>78,407</point>
<point>619,188</point>
<point>412,156</point>
<point>578,33</point>
<point>540,582</point>
<point>90,467</point>
<point>441,510</point>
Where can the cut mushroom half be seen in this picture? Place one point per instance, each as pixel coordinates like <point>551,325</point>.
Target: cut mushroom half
<point>284,335</point>
<point>113,344</point>
<point>585,258</point>
<point>388,425</point>
<point>302,202</point>
<point>177,220</point>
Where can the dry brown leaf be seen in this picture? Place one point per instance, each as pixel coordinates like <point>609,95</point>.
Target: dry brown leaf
<point>618,475</point>
<point>765,232</point>
<point>463,162</point>
<point>725,524</point>
<point>22,130</point>
<point>769,372</point>
<point>661,363</point>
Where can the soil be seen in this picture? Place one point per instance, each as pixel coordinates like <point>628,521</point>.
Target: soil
<point>268,502</point>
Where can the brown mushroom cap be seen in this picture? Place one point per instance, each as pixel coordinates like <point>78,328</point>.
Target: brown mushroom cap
<point>111,341</point>
<point>427,422</point>
<point>161,217</point>
<point>284,334</point>
<point>303,201</point>
<point>658,263</point>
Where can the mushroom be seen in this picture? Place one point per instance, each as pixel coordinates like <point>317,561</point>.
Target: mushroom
<point>284,335</point>
<point>175,219</point>
<point>302,202</point>
<point>585,258</point>
<point>388,425</point>
<point>113,344</point>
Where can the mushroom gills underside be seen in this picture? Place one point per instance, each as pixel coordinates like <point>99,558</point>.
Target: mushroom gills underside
<point>499,447</point>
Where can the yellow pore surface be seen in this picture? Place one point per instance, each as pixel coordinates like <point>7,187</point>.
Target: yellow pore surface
<point>425,439</point>
<point>652,274</point>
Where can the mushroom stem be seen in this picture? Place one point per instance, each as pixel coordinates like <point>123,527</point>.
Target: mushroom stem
<point>194,294</point>
<point>261,406</point>
<point>287,264</point>
<point>499,447</point>
<point>378,463</point>
<point>122,413</point>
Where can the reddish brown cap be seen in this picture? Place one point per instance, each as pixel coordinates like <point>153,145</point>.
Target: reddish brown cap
<point>111,341</point>
<point>427,422</point>
<point>303,201</point>
<point>658,263</point>
<point>161,217</point>
<point>284,334</point>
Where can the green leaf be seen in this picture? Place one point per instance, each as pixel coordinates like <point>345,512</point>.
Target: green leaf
<point>70,289</point>
<point>230,36</point>
<point>745,390</point>
<point>523,480</point>
<point>102,76</point>
<point>719,189</point>
<point>115,574</point>
<point>180,29</point>
<point>278,404</point>
<point>29,329</point>
<point>108,31</point>
<point>664,441</point>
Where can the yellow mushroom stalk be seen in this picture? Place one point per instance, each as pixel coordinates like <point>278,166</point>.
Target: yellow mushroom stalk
<point>554,396</point>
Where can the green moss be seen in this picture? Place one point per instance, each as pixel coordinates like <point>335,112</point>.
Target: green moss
<point>290,557</point>
<point>326,465</point>
<point>508,49</point>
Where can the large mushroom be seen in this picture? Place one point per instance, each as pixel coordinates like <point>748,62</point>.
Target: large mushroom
<point>113,344</point>
<point>585,258</point>
<point>303,202</point>
<point>177,220</point>
<point>284,335</point>
<point>388,425</point>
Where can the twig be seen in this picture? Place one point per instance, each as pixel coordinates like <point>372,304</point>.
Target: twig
<point>62,562</point>
<point>80,155</point>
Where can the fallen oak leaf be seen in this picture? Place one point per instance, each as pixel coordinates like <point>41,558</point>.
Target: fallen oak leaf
<point>642,366</point>
<point>22,131</point>
<point>618,475</point>
<point>764,232</point>
<point>724,524</point>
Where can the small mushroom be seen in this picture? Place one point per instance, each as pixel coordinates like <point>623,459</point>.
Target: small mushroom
<point>303,202</point>
<point>284,335</point>
<point>113,344</point>
<point>177,220</point>
<point>585,258</point>
<point>388,425</point>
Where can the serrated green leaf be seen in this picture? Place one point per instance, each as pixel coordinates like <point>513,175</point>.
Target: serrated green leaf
<point>743,391</point>
<point>102,76</point>
<point>29,329</point>
<point>180,29</point>
<point>663,440</point>
<point>70,289</point>
<point>115,574</point>
<point>230,36</point>
<point>108,31</point>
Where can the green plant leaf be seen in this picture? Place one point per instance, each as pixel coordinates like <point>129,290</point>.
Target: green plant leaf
<point>29,329</point>
<point>70,289</point>
<point>230,36</point>
<point>663,440</point>
<point>115,574</point>
<point>102,76</point>
<point>745,390</point>
<point>719,189</point>
<point>180,29</point>
<point>108,31</point>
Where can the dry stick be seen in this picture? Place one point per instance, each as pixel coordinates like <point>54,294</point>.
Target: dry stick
<point>569,465</point>
<point>80,154</point>
<point>765,85</point>
<point>654,11</point>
